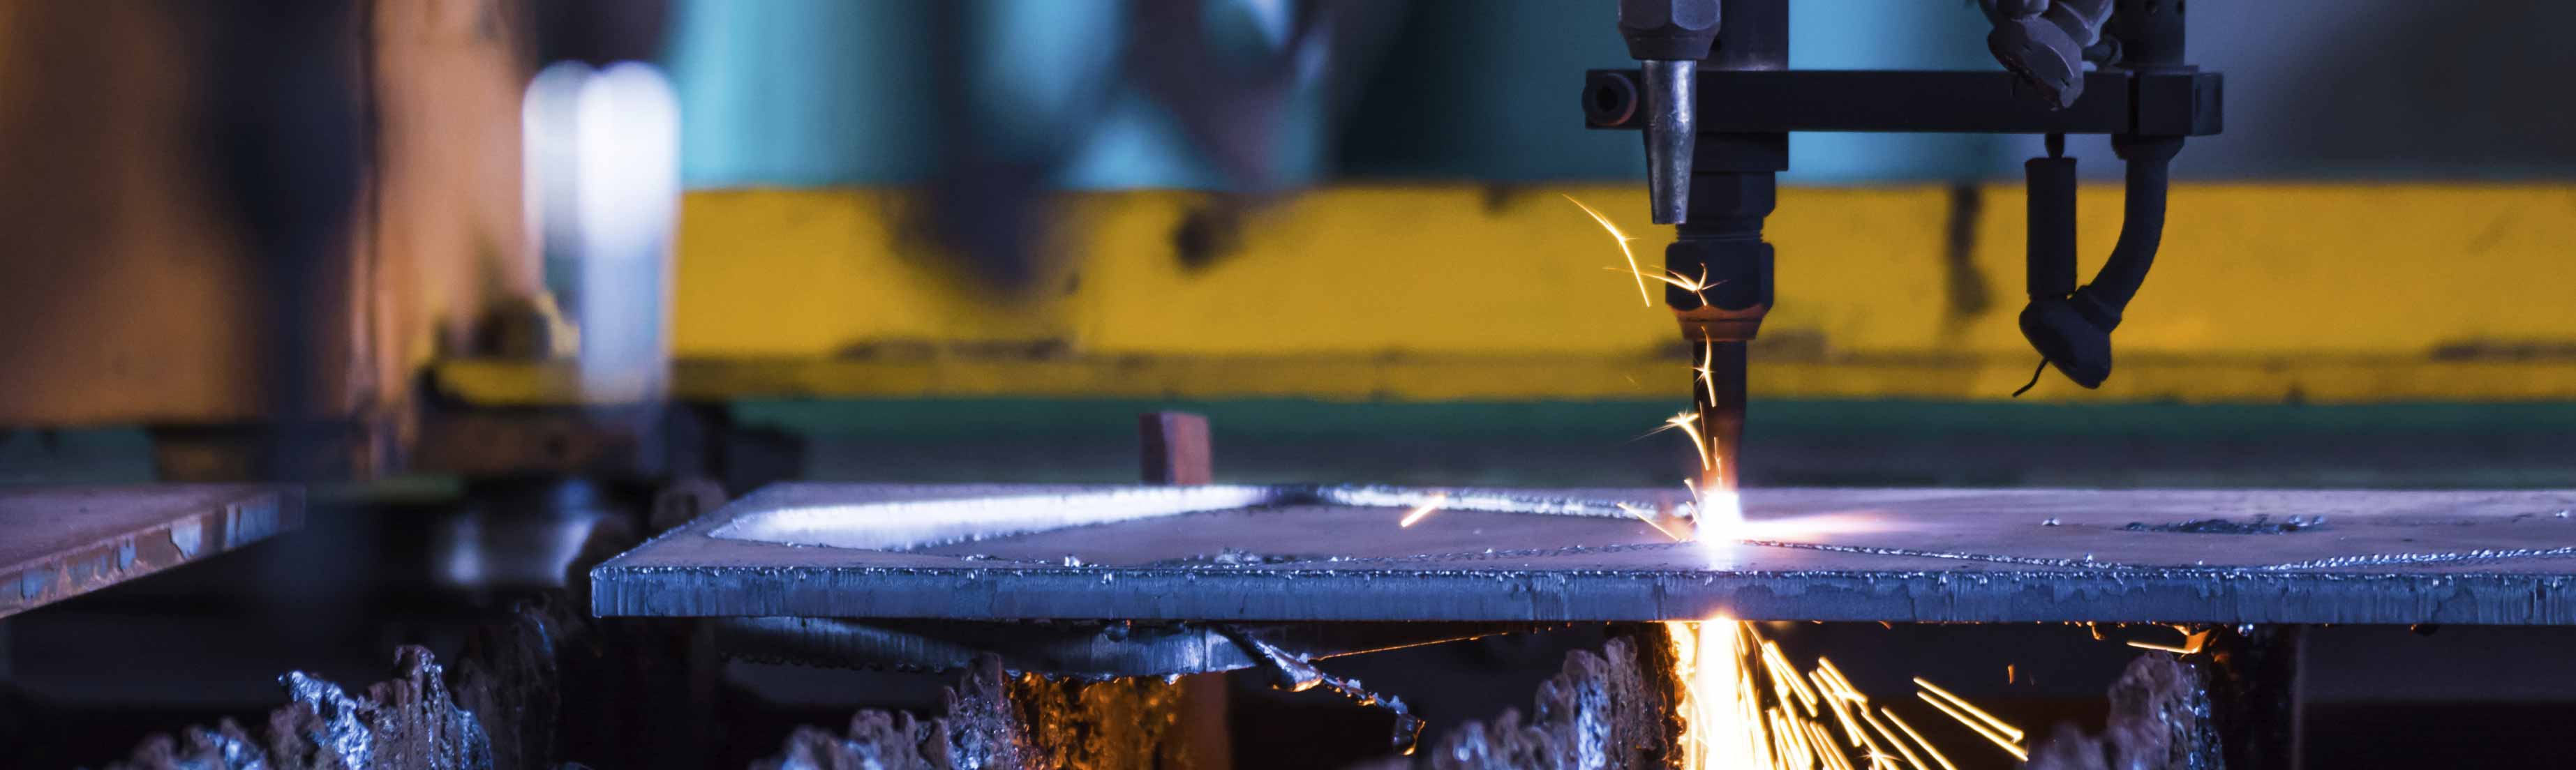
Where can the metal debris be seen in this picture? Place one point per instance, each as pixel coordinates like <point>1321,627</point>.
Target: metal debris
<point>997,721</point>
<point>2160,720</point>
<point>407,723</point>
<point>1297,674</point>
<point>1602,712</point>
<point>225,747</point>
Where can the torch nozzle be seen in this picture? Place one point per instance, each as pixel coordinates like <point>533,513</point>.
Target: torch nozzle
<point>1672,135</point>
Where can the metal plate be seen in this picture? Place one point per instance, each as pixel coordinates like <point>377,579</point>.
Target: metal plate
<point>59,542</point>
<point>1228,553</point>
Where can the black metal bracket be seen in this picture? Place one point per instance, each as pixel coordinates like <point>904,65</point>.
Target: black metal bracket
<point>2114,101</point>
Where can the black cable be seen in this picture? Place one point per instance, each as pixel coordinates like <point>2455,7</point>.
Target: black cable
<point>2034,377</point>
<point>2142,227</point>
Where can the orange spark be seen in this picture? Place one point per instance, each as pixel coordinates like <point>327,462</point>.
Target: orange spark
<point>1624,251</point>
<point>1707,367</point>
<point>1784,744</point>
<point>1688,421</point>
<point>1842,683</point>
<point>1787,676</point>
<point>1918,739</point>
<point>1835,703</point>
<point>2191,643</point>
<point>1722,725</point>
<point>1877,754</point>
<point>1697,287</point>
<point>1911,760</point>
<point>1640,513</point>
<point>1982,731</point>
<point>1824,746</point>
<point>1963,704</point>
<point>1423,511</point>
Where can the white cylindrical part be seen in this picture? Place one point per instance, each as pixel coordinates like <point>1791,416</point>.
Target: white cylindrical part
<point>625,206</point>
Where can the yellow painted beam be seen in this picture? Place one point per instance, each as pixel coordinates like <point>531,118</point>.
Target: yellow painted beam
<point>2262,292</point>
<point>2313,380</point>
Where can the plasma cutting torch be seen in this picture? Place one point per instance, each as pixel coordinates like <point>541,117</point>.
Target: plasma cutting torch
<point>1716,100</point>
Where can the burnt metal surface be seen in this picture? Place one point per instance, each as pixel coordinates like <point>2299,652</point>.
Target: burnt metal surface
<point>1236,553</point>
<point>60,542</point>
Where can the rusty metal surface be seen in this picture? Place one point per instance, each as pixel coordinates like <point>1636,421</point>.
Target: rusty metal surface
<point>1231,553</point>
<point>59,542</point>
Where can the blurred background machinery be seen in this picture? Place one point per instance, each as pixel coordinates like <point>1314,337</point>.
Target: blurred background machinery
<point>1053,211</point>
<point>970,240</point>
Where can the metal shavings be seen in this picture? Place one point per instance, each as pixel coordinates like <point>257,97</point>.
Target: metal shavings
<point>410,722</point>
<point>343,735</point>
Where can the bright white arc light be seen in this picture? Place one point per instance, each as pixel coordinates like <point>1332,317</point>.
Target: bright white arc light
<point>1717,525</point>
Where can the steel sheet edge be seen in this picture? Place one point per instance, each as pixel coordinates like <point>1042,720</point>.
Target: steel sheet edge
<point>2259,556</point>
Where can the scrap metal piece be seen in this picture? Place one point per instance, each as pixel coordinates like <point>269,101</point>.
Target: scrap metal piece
<point>1296,673</point>
<point>60,542</point>
<point>1232,554</point>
